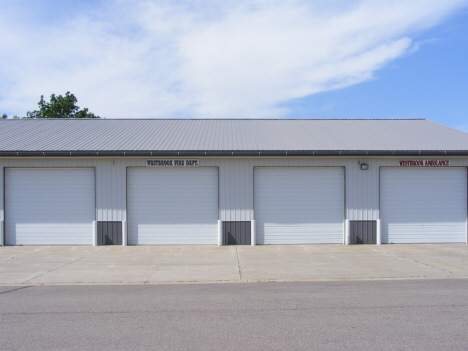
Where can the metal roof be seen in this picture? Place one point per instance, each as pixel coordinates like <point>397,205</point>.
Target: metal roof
<point>170,137</point>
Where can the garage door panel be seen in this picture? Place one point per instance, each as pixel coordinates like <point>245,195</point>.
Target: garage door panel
<point>409,233</point>
<point>302,233</point>
<point>49,206</point>
<point>412,216</point>
<point>56,234</point>
<point>423,205</point>
<point>299,205</point>
<point>172,206</point>
<point>180,234</point>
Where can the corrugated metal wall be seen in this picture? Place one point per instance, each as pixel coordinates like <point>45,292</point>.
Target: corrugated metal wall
<point>110,181</point>
<point>235,182</point>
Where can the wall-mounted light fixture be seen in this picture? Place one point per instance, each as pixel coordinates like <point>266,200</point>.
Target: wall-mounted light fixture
<point>364,166</point>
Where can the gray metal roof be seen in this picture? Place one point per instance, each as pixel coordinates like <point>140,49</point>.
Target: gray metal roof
<point>227,137</point>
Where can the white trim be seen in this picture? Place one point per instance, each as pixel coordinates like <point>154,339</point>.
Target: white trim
<point>95,241</point>
<point>124,233</point>
<point>220,232</point>
<point>379,233</point>
<point>253,234</point>
<point>347,232</point>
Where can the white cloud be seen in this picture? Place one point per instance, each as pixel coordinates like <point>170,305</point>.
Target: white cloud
<point>143,59</point>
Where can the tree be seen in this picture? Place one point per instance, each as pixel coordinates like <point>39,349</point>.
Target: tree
<point>4,116</point>
<point>60,107</point>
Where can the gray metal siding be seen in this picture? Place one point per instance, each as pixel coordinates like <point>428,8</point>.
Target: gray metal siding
<point>235,181</point>
<point>111,185</point>
<point>236,184</point>
<point>2,191</point>
<point>235,189</point>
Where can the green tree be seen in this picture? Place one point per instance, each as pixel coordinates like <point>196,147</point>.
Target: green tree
<point>60,107</point>
<point>5,116</point>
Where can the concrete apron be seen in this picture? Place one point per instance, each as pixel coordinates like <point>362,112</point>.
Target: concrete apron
<point>206,263</point>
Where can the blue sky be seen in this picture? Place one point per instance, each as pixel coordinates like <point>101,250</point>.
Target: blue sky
<point>430,83</point>
<point>240,59</point>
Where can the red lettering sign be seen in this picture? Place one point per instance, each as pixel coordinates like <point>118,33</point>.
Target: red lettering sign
<point>424,163</point>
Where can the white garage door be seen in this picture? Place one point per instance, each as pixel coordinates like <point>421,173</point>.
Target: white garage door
<point>421,205</point>
<point>299,205</point>
<point>172,206</point>
<point>49,206</point>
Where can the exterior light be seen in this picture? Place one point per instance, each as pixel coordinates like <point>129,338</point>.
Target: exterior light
<point>364,166</point>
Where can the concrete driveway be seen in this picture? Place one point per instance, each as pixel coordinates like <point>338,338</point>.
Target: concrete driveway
<point>161,264</point>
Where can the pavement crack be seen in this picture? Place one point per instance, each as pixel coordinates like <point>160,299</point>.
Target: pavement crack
<point>238,265</point>
<point>20,288</point>
<point>457,306</point>
<point>414,261</point>
<point>66,264</point>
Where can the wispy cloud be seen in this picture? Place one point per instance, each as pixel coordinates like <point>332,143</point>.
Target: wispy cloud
<point>201,59</point>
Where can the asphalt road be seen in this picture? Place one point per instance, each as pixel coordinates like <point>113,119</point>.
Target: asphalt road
<point>341,315</point>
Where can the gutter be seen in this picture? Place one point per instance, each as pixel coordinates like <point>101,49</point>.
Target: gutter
<point>234,153</point>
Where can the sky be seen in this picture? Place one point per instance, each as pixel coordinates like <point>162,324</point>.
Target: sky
<point>239,59</point>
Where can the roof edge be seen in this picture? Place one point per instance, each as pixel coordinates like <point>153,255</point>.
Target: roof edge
<point>196,153</point>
